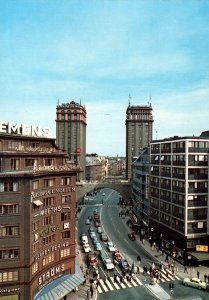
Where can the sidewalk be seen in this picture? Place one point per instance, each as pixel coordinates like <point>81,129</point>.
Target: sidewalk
<point>191,271</point>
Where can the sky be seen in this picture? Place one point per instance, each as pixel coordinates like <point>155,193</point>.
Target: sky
<point>105,53</point>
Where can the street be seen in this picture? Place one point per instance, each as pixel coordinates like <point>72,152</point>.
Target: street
<point>106,203</point>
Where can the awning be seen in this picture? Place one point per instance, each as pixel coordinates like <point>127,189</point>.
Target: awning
<point>37,202</point>
<point>60,287</point>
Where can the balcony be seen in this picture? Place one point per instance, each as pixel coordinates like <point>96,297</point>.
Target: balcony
<point>201,190</point>
<point>198,176</point>
<point>197,163</point>
<point>197,150</point>
<point>178,176</point>
<point>197,231</point>
<point>179,150</point>
<point>179,163</point>
<point>166,174</point>
<point>165,186</point>
<point>178,189</point>
<point>197,203</point>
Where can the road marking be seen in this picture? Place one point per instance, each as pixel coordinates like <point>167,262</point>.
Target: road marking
<point>115,284</point>
<point>103,285</point>
<point>139,282</point>
<point>108,283</point>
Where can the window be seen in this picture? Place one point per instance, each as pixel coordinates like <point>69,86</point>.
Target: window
<point>15,164</point>
<point>48,259</point>
<point>49,182</point>
<point>49,201</point>
<point>65,216</point>
<point>9,209</point>
<point>31,162</point>
<point>48,162</point>
<point>8,276</point>
<point>65,252</point>
<point>35,185</point>
<point>34,268</point>
<point>66,198</point>
<point>66,234</point>
<point>65,181</point>
<point>35,246</point>
<point>9,186</point>
<point>49,239</point>
<point>35,226</point>
<point>9,254</point>
<point>9,230</point>
<point>48,220</point>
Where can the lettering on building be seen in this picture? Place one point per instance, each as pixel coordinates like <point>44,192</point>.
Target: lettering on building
<point>50,273</point>
<point>43,193</point>
<point>6,291</point>
<point>51,249</point>
<point>48,230</point>
<point>23,129</point>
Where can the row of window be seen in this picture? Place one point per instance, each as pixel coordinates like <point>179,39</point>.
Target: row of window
<point>9,276</point>
<point>49,239</point>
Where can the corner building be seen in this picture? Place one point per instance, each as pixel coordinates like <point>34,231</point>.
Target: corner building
<point>71,132</point>
<point>139,123</point>
<point>179,191</point>
<point>37,218</point>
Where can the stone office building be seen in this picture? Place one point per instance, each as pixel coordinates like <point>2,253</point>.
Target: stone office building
<point>37,219</point>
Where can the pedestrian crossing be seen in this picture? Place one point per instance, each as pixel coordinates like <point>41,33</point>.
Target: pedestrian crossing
<point>110,284</point>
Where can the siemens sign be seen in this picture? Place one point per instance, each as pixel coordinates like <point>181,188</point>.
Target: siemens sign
<point>23,129</point>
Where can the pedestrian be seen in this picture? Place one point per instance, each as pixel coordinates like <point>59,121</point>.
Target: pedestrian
<point>115,277</point>
<point>84,282</point>
<point>97,283</point>
<point>121,278</point>
<point>139,258</point>
<point>206,278</point>
<point>185,269</point>
<point>138,270</point>
<point>91,290</point>
<point>198,274</point>
<point>87,295</point>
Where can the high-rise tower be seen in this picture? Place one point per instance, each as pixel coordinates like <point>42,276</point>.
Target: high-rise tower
<point>139,122</point>
<point>71,132</point>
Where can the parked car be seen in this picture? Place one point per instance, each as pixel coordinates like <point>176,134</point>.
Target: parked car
<point>88,222</point>
<point>195,282</point>
<point>98,246</point>
<point>86,248</point>
<point>94,240</point>
<point>110,247</point>
<point>117,256</point>
<point>84,239</point>
<point>99,229</point>
<point>104,237</point>
<point>132,236</point>
<point>92,261</point>
<point>91,229</point>
<point>123,264</point>
<point>92,234</point>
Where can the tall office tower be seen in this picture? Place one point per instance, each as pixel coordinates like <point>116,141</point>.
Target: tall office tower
<point>179,192</point>
<point>71,132</point>
<point>139,122</point>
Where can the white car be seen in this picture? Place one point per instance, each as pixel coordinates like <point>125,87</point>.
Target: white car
<point>86,248</point>
<point>84,239</point>
<point>108,264</point>
<point>111,247</point>
<point>92,235</point>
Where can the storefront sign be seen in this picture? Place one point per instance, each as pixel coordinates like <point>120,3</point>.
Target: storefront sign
<point>51,249</point>
<point>67,167</point>
<point>202,248</point>
<point>51,273</point>
<point>50,210</point>
<point>35,195</point>
<point>23,129</point>
<point>48,230</point>
<point>7,291</point>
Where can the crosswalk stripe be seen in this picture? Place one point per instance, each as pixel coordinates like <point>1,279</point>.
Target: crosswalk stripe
<point>103,285</point>
<point>128,284</point>
<point>115,284</point>
<point>99,290</point>
<point>108,283</point>
<point>137,280</point>
<point>173,275</point>
<point>133,282</point>
<point>164,277</point>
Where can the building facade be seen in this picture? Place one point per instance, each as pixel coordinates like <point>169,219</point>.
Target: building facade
<point>140,193</point>
<point>37,218</point>
<point>179,191</point>
<point>96,167</point>
<point>71,132</point>
<point>139,124</point>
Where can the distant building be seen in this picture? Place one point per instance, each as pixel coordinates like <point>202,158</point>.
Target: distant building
<point>96,167</point>
<point>179,191</point>
<point>37,219</point>
<point>71,132</point>
<point>139,123</point>
<point>140,192</point>
<point>117,166</point>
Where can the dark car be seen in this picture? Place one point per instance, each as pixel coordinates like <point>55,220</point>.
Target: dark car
<point>123,264</point>
<point>104,237</point>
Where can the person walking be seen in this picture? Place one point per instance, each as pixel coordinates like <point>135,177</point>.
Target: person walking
<point>87,295</point>
<point>91,290</point>
<point>198,274</point>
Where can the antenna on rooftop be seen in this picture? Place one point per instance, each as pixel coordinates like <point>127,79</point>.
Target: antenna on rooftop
<point>156,134</point>
<point>129,102</point>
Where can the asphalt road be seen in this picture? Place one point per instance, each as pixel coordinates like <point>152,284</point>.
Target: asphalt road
<point>117,232</point>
